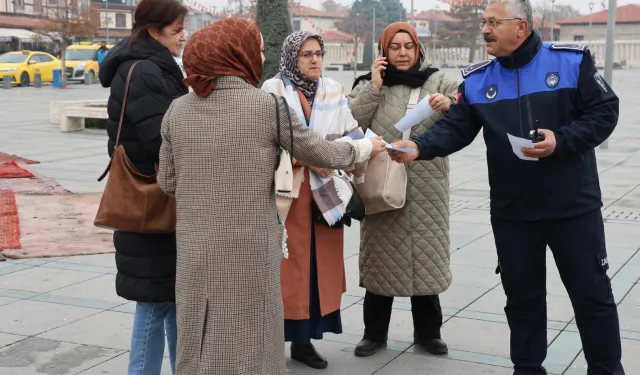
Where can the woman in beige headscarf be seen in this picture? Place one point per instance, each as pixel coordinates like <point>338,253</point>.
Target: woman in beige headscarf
<point>218,158</point>
<point>405,252</point>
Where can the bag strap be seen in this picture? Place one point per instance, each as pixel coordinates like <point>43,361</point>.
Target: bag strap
<point>124,104</point>
<point>290,129</point>
<point>414,98</point>
<point>275,98</point>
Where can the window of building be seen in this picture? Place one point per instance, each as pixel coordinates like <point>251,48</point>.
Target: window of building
<point>296,25</point>
<point>121,20</point>
<point>18,4</point>
<point>577,38</point>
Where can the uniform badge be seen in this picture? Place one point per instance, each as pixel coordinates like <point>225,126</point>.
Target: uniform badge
<point>491,92</point>
<point>600,81</point>
<point>552,80</point>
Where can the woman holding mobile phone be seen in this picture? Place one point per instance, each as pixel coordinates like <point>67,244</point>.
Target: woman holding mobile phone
<point>405,252</point>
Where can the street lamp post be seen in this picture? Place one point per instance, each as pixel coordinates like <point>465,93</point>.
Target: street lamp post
<point>355,54</point>
<point>553,20</point>
<point>608,58</point>
<point>413,21</point>
<point>373,37</point>
<point>108,19</point>
<point>591,4</point>
<point>435,31</point>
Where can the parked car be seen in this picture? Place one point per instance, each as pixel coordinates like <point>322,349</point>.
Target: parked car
<point>22,66</point>
<point>80,59</point>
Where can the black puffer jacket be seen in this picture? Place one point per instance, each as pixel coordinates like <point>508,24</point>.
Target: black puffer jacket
<point>146,262</point>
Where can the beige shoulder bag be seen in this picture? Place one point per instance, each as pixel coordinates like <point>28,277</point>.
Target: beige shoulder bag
<point>385,184</point>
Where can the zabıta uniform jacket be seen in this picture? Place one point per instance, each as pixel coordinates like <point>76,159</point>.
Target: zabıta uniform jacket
<point>548,86</point>
<point>405,252</point>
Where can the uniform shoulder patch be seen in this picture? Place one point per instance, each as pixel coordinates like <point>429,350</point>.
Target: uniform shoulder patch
<point>475,68</point>
<point>569,47</point>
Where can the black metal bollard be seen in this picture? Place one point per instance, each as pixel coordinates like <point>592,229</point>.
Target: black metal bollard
<point>37,80</point>
<point>6,82</point>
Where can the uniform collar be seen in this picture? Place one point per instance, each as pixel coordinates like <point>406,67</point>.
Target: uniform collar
<point>524,54</point>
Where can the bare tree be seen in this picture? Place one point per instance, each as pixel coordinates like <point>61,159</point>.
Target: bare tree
<point>244,7</point>
<point>68,19</point>
<point>544,13</point>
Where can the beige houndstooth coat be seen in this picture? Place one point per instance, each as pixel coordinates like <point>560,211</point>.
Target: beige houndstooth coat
<point>218,159</point>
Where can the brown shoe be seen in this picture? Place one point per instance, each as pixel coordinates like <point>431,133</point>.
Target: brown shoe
<point>366,348</point>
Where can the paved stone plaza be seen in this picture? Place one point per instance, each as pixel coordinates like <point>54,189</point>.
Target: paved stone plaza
<point>61,316</point>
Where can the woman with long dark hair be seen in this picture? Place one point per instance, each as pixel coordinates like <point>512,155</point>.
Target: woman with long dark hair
<point>146,262</point>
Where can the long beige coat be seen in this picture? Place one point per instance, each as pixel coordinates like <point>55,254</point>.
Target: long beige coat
<point>405,252</point>
<point>218,159</point>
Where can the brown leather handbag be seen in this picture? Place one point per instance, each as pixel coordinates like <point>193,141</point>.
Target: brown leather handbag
<point>131,201</point>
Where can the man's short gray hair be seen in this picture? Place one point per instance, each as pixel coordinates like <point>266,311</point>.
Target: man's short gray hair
<point>520,8</point>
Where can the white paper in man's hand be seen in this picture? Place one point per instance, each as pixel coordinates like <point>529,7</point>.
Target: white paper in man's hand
<point>370,134</point>
<point>419,113</point>
<point>518,144</point>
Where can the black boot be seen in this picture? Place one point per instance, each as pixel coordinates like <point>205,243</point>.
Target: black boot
<point>433,346</point>
<point>307,354</point>
<point>366,347</point>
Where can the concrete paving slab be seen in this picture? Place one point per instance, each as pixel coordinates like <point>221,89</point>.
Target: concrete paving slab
<point>8,339</point>
<point>558,308</point>
<point>460,296</point>
<point>630,360</point>
<point>43,280</point>
<point>100,288</point>
<point>109,329</point>
<point>34,356</point>
<point>482,337</point>
<point>629,316</point>
<point>118,366</point>
<point>30,318</point>
<point>415,364</point>
<point>633,298</point>
<point>482,277</point>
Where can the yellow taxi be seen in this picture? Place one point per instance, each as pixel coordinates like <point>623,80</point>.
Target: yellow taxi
<point>22,66</point>
<point>80,59</point>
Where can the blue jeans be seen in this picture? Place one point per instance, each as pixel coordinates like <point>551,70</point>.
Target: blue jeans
<point>150,322</point>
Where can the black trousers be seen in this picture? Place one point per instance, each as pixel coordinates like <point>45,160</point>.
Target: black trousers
<point>578,247</point>
<point>426,311</point>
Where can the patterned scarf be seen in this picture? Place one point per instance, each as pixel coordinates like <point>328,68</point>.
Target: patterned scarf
<point>230,47</point>
<point>332,119</point>
<point>289,63</point>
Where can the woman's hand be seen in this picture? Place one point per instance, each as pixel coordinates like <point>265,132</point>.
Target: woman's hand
<point>322,172</point>
<point>379,66</point>
<point>439,102</point>
<point>379,146</point>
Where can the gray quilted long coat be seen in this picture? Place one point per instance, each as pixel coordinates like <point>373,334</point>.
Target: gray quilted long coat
<point>405,252</point>
<point>218,159</point>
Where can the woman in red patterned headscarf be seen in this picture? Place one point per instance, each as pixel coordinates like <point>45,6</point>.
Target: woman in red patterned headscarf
<point>218,157</point>
<point>231,47</point>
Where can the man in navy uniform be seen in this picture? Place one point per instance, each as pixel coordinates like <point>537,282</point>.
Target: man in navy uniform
<point>553,200</point>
